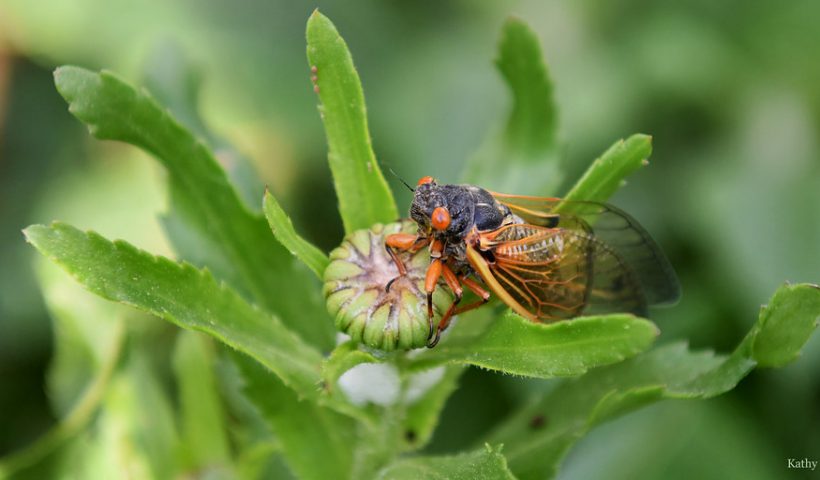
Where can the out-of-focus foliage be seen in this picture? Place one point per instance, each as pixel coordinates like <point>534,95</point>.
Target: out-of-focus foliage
<point>729,93</point>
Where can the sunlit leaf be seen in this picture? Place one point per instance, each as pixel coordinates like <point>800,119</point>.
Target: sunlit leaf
<point>486,463</point>
<point>514,345</point>
<point>364,197</point>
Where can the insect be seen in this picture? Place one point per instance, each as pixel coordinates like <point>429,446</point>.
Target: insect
<point>547,266</point>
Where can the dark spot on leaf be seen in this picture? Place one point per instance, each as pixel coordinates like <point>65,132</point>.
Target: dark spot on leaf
<point>410,436</point>
<point>538,422</point>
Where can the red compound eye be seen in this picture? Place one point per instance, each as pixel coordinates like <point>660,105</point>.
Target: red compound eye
<point>440,219</point>
<point>427,179</point>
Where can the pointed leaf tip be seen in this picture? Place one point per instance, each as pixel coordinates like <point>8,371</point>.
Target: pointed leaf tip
<point>364,196</point>
<point>786,324</point>
<point>606,174</point>
<point>284,231</point>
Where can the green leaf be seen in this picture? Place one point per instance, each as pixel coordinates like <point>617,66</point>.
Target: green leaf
<point>364,197</point>
<point>317,443</point>
<point>786,324</point>
<point>205,442</point>
<point>523,156</point>
<point>484,464</point>
<point>181,294</point>
<point>531,127</point>
<point>514,345</point>
<point>671,371</point>
<point>283,230</point>
<point>606,174</point>
<point>176,81</point>
<point>422,415</point>
<point>208,214</point>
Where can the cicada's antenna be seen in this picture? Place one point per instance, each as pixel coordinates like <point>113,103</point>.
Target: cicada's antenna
<point>401,180</point>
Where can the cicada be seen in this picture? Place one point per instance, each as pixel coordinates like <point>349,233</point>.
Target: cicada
<point>548,259</point>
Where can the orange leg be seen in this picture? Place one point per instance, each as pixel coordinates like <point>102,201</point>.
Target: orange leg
<point>434,272</point>
<point>452,281</point>
<point>476,288</point>
<point>402,241</point>
<point>430,282</point>
<point>455,309</point>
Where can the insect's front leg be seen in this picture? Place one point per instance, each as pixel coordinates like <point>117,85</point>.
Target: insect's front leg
<point>454,308</point>
<point>434,272</point>
<point>452,282</point>
<point>404,242</point>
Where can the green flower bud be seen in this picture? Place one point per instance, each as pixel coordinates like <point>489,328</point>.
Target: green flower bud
<point>355,281</point>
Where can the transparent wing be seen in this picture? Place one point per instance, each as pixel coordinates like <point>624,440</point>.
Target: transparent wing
<point>613,227</point>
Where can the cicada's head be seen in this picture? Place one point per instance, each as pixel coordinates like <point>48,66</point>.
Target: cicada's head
<point>445,211</point>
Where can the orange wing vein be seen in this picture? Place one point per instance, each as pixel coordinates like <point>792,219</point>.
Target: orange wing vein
<point>549,274</point>
<point>616,230</point>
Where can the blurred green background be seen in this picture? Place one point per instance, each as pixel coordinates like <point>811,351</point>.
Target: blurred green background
<point>730,93</point>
